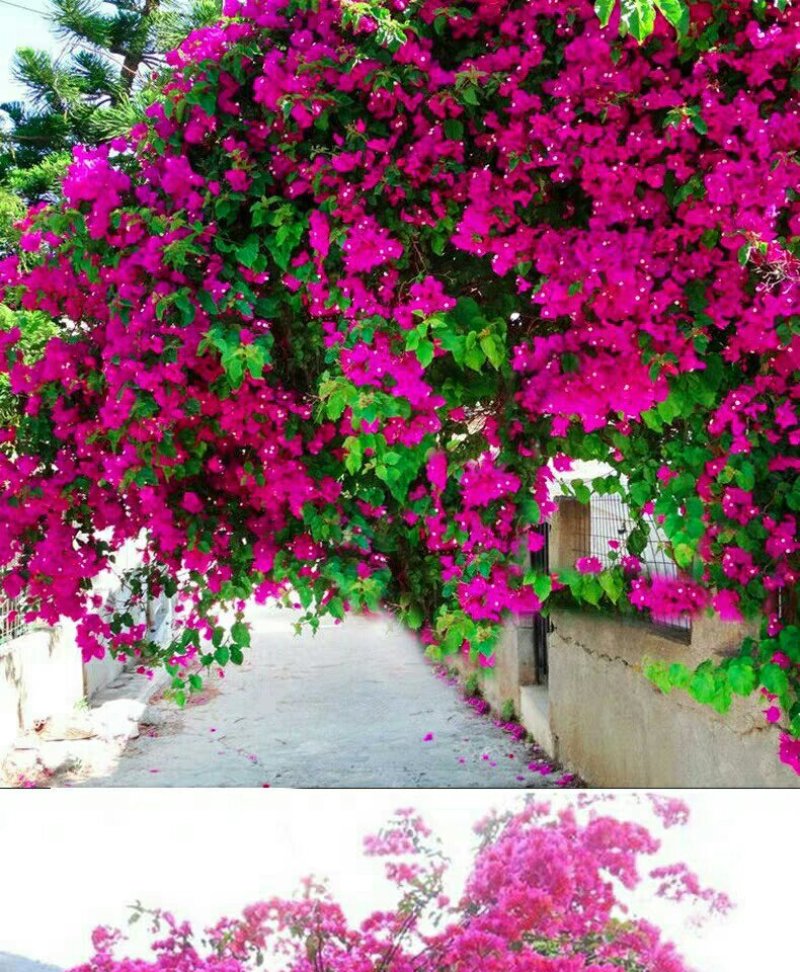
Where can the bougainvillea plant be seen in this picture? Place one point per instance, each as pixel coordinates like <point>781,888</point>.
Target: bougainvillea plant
<point>546,893</point>
<point>332,316</point>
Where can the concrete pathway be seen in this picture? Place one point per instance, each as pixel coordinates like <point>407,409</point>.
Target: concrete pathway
<point>356,705</point>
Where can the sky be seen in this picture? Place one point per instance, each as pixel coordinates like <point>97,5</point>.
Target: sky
<point>21,28</point>
<point>73,859</point>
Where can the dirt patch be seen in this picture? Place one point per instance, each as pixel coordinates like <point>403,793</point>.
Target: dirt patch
<point>206,694</point>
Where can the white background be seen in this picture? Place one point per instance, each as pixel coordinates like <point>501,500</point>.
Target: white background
<point>70,860</point>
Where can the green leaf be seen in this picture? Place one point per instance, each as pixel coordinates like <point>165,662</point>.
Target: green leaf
<point>703,686</point>
<point>413,338</point>
<point>742,677</point>
<point>336,404</point>
<point>684,555</point>
<point>190,636</point>
<point>669,409</point>
<point>424,352</point>
<point>255,360</point>
<point>612,585</point>
<point>542,586</point>
<point>591,590</point>
<point>651,420</point>
<point>679,675</point>
<point>746,476</point>
<point>774,679</point>
<point>789,641</point>
<point>676,12</point>
<point>222,655</point>
<point>355,454</point>
<point>604,9</point>
<point>570,364</point>
<point>247,253</point>
<point>453,129</point>
<point>492,348</point>
<point>639,17</point>
<point>234,369</point>
<point>656,673</point>
<point>474,358</point>
<point>240,634</point>
<point>694,529</point>
<point>722,698</point>
<point>414,617</point>
<point>186,307</point>
<point>582,492</point>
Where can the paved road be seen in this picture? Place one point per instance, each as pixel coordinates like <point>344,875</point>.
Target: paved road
<point>356,705</point>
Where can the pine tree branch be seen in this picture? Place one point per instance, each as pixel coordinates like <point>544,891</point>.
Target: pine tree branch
<point>81,19</point>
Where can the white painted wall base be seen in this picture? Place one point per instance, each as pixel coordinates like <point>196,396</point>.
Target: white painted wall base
<point>42,674</point>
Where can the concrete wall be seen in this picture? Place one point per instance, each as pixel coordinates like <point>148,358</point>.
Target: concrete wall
<point>42,674</point>
<point>501,683</point>
<point>100,672</point>
<point>614,728</point>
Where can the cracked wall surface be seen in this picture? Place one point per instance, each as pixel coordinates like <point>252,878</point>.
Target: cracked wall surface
<point>614,728</point>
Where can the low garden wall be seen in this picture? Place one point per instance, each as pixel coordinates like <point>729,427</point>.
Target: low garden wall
<point>41,676</point>
<point>614,728</point>
<point>42,673</point>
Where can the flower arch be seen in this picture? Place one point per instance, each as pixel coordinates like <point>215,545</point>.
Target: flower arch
<point>330,315</point>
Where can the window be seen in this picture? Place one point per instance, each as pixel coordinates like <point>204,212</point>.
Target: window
<point>605,533</point>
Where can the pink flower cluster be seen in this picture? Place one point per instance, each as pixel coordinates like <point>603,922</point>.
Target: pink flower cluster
<point>548,891</point>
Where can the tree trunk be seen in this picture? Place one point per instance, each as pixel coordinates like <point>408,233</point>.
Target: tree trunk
<point>133,57</point>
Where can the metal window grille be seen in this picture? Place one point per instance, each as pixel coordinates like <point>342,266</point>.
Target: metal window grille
<point>12,619</point>
<point>607,530</point>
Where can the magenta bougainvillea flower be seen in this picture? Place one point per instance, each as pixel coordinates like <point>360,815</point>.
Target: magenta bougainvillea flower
<point>547,892</point>
<point>327,314</point>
